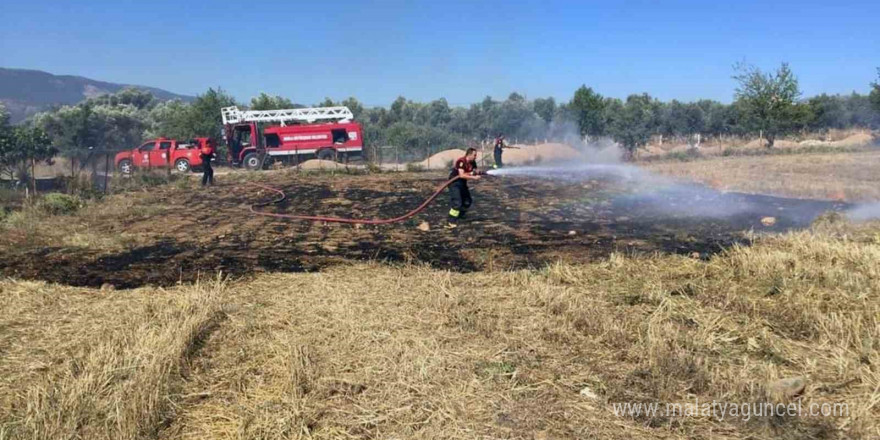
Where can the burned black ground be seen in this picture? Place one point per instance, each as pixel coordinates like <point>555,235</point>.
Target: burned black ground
<point>516,222</point>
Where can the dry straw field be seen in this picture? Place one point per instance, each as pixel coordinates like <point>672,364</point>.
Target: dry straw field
<point>833,176</point>
<point>375,351</point>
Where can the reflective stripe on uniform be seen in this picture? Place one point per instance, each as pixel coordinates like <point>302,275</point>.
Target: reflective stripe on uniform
<point>454,212</point>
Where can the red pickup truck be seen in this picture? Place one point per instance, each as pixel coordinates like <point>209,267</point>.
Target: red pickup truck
<point>162,153</point>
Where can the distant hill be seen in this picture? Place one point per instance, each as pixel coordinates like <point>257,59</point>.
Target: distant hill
<point>25,92</point>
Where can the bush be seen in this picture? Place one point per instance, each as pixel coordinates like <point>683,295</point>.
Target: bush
<point>184,184</point>
<point>150,179</point>
<point>373,168</point>
<point>414,167</point>
<point>60,204</point>
<point>685,156</point>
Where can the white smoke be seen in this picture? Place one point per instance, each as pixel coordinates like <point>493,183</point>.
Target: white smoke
<point>864,212</point>
<point>661,194</point>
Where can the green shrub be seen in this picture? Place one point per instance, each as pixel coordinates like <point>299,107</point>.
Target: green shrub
<point>150,179</point>
<point>685,156</point>
<point>373,168</point>
<point>22,219</point>
<point>60,204</point>
<point>414,167</point>
<point>184,184</point>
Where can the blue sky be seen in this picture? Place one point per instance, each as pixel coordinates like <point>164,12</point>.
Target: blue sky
<point>461,50</point>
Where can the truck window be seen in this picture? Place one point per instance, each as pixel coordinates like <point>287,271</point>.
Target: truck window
<point>149,146</point>
<point>340,136</point>
<point>164,145</point>
<point>243,135</point>
<point>273,141</point>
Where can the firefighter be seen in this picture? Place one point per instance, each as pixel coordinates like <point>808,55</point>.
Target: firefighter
<point>500,145</point>
<point>206,154</point>
<point>459,194</point>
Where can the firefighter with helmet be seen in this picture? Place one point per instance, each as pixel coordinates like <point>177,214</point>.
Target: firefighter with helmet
<point>206,154</point>
<point>465,168</point>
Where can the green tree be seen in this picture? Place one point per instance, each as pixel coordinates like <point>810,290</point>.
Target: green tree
<point>267,102</point>
<point>828,112</point>
<point>73,129</point>
<point>7,139</point>
<point>204,117</point>
<point>545,108</point>
<point>119,126</point>
<point>20,146</point>
<point>768,100</point>
<point>513,118</point>
<point>170,119</point>
<point>140,99</point>
<point>633,122</point>
<point>875,93</point>
<point>357,109</point>
<point>439,113</point>
<point>180,120</point>
<point>588,108</point>
<point>327,102</point>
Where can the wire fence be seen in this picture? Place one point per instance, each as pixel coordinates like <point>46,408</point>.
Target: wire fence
<point>395,157</point>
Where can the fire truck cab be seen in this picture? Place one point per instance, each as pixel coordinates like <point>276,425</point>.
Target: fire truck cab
<point>326,133</point>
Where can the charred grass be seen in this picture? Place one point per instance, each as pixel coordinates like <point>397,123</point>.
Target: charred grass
<point>170,233</point>
<point>373,351</point>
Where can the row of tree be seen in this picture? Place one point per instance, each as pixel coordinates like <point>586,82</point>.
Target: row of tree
<point>766,103</point>
<point>21,146</point>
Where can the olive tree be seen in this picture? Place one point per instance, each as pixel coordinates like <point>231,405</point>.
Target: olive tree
<point>768,100</point>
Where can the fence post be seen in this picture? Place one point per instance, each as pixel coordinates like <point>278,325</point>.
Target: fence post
<point>34,175</point>
<point>93,179</point>
<point>106,170</point>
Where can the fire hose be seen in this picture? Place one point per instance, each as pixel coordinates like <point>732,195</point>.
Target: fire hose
<point>384,221</point>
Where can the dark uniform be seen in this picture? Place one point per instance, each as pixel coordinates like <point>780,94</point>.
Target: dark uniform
<point>206,154</point>
<point>499,146</point>
<point>459,194</point>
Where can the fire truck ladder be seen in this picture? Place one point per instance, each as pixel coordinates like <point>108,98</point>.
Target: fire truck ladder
<point>232,115</point>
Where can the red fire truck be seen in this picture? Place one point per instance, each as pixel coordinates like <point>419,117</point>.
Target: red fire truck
<point>323,132</point>
<point>161,153</point>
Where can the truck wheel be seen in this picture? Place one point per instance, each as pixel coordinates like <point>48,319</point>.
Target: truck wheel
<point>252,161</point>
<point>182,165</point>
<point>327,154</point>
<point>124,166</point>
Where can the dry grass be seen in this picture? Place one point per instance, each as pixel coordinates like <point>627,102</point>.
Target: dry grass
<point>32,226</point>
<point>81,363</point>
<point>850,176</point>
<point>372,351</point>
<point>830,141</point>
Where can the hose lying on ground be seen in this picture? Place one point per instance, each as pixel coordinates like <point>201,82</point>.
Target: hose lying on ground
<point>384,221</point>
